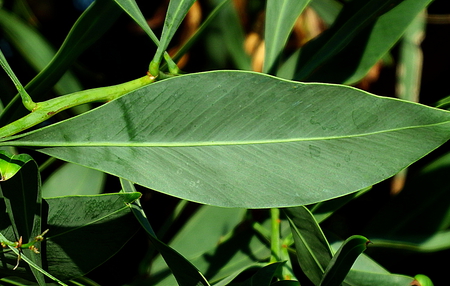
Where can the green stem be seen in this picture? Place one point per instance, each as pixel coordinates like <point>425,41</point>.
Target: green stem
<point>46,109</point>
<point>275,245</point>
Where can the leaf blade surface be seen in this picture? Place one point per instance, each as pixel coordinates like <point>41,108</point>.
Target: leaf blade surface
<point>242,139</point>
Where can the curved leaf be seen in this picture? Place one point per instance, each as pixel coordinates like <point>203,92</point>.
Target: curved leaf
<point>422,280</point>
<point>366,272</point>
<point>343,260</point>
<point>243,139</point>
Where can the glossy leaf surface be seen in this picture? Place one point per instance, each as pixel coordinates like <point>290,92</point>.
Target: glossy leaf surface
<point>246,139</point>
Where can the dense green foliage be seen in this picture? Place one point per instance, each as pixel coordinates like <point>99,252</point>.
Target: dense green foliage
<point>252,164</point>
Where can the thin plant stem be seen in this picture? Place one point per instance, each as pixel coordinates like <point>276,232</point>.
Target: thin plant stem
<point>275,245</point>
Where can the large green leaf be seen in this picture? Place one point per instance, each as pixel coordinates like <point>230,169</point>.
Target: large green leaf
<point>280,18</point>
<point>244,139</point>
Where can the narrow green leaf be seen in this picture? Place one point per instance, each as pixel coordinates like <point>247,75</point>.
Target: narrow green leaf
<point>176,12</point>
<point>444,103</point>
<point>343,260</point>
<point>26,99</point>
<point>200,31</point>
<point>72,179</point>
<point>356,41</point>
<point>409,69</point>
<point>89,27</point>
<point>231,277</point>
<point>313,251</point>
<point>185,273</point>
<point>280,18</point>
<point>246,139</point>
<point>356,277</point>
<point>437,241</point>
<point>132,9</point>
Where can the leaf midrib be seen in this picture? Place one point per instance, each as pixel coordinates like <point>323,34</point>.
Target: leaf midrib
<point>204,143</point>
